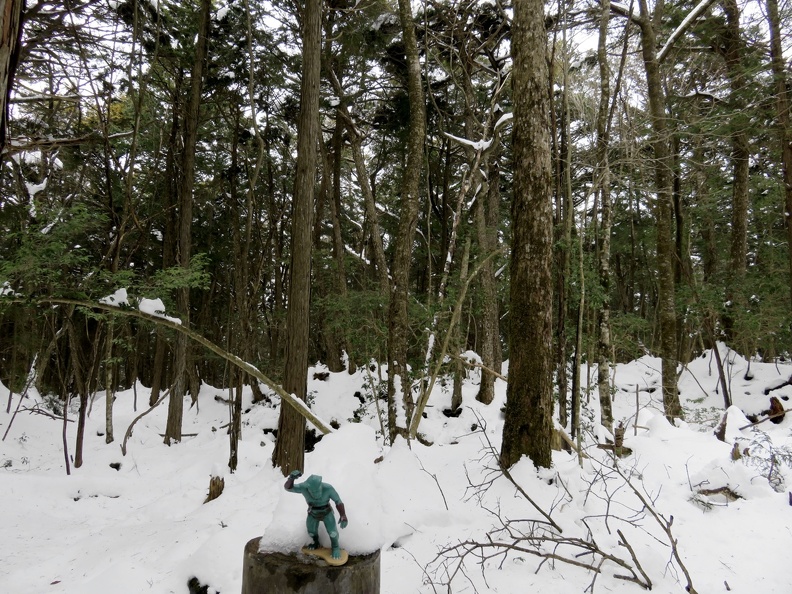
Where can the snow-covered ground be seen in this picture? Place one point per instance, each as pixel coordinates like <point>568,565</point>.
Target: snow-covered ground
<point>144,527</point>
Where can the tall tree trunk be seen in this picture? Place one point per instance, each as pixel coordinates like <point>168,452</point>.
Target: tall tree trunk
<point>603,183</point>
<point>241,325</point>
<point>487,234</point>
<point>372,218</point>
<point>703,198</point>
<point>400,400</point>
<point>290,445</point>
<point>493,223</point>
<point>563,230</point>
<point>237,324</point>
<point>731,47</point>
<point>580,315</point>
<point>339,249</point>
<point>784,130</point>
<point>11,21</point>
<point>169,234</point>
<point>663,211</point>
<point>184,246</point>
<point>458,338</point>
<point>335,342</point>
<point>109,382</point>
<point>681,269</point>
<point>78,376</point>
<point>529,404</point>
<point>355,140</point>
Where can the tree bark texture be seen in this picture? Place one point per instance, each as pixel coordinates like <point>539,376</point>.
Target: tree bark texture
<point>529,405</point>
<point>487,235</point>
<point>10,41</point>
<point>289,450</point>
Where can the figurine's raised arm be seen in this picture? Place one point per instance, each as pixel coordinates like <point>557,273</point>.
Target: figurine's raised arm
<point>295,474</point>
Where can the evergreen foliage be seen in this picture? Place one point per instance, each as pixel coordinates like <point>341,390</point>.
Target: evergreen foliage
<point>91,178</point>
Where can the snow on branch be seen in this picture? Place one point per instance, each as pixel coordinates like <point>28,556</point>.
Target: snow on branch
<point>506,117</point>
<point>152,307</point>
<point>686,23</point>
<point>626,11</point>
<point>105,305</point>
<point>16,145</point>
<point>480,145</point>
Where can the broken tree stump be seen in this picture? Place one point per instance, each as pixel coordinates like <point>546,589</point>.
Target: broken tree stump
<point>216,486</point>
<point>280,573</point>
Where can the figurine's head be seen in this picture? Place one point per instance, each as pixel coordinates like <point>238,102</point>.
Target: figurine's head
<point>314,484</point>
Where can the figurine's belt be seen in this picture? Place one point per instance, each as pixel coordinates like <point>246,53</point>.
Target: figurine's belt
<point>319,512</point>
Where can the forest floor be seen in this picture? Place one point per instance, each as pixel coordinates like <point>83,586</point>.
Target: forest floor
<point>137,523</point>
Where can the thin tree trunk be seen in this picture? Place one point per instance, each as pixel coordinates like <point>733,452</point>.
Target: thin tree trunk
<point>335,218</point>
<point>158,366</point>
<point>335,342</point>
<point>681,269</point>
<point>169,235</point>
<point>486,231</point>
<point>664,213</point>
<point>577,353</point>
<point>235,430</point>
<point>603,174</point>
<point>82,390</point>
<point>564,220</point>
<point>238,323</point>
<point>185,192</point>
<point>459,369</point>
<point>739,141</point>
<point>109,382</point>
<point>577,356</point>
<point>400,400</point>
<point>66,400</point>
<point>783,115</point>
<point>372,218</point>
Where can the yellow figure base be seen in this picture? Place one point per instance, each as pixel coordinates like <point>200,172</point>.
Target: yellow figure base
<point>327,555</point>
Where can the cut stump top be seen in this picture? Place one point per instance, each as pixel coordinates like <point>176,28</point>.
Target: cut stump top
<point>266,572</point>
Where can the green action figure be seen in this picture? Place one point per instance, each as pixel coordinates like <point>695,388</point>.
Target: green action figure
<point>318,496</point>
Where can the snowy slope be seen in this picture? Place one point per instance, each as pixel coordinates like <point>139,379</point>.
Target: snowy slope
<point>144,527</point>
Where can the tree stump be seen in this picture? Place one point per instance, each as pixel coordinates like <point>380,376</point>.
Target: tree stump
<point>279,573</point>
<point>216,486</point>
